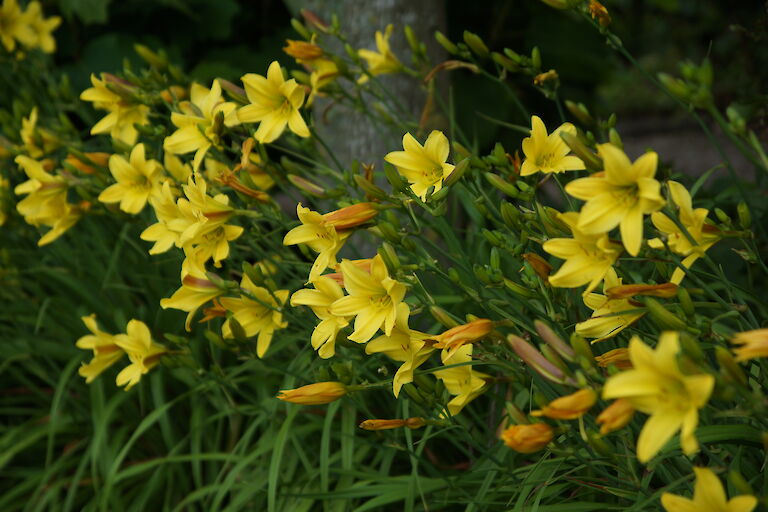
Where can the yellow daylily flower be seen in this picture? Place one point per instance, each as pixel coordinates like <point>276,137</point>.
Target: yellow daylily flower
<point>39,29</point>
<point>704,234</point>
<point>588,257</point>
<point>142,350</point>
<point>373,298</point>
<point>753,344</point>
<point>326,292</point>
<point>46,201</point>
<point>200,123</point>
<point>123,113</point>
<point>423,166</point>
<point>548,153</point>
<point>68,219</point>
<point>106,351</point>
<point>171,222</point>
<point>656,386</point>
<point>195,289</point>
<point>13,25</point>
<point>708,496</point>
<point>31,135</point>
<point>320,235</point>
<point>609,316</point>
<point>324,72</point>
<point>137,180</point>
<point>274,104</point>
<point>382,61</point>
<point>462,381</point>
<point>620,196</point>
<point>404,345</point>
<point>180,171</point>
<point>260,317</point>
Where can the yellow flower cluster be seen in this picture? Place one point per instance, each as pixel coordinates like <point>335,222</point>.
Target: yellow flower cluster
<point>27,27</point>
<point>143,352</point>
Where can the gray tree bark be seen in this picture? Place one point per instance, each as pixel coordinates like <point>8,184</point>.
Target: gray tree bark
<point>349,133</point>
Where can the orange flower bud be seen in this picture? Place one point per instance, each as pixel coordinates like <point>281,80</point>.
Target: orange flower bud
<point>314,19</point>
<point>412,423</point>
<point>599,13</point>
<point>180,93</point>
<point>86,163</point>
<point>615,416</point>
<point>351,216</point>
<point>665,290</point>
<point>541,78</point>
<point>569,407</point>
<point>528,438</point>
<point>619,357</point>
<point>539,265</point>
<point>302,50</point>
<point>753,344</point>
<point>460,335</point>
<point>314,394</point>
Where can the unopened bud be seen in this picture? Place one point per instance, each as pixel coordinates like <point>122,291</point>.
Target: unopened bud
<point>553,340</point>
<point>675,86</point>
<point>476,44</point>
<point>504,62</point>
<point>590,159</point>
<point>664,318</point>
<point>307,186</point>
<point>314,394</point>
<point>412,423</point>
<point>528,438</point>
<point>457,173</point>
<point>501,184</point>
<point>728,364</point>
<point>580,112</point>
<point>446,43</point>
<point>745,219</point>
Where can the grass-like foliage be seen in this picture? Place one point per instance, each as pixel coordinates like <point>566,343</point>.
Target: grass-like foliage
<point>549,326</point>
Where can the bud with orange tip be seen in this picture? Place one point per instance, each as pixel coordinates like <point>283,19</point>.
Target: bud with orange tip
<point>569,407</point>
<point>619,357</point>
<point>351,216</point>
<point>314,394</point>
<point>615,416</point>
<point>412,423</point>
<point>528,438</point>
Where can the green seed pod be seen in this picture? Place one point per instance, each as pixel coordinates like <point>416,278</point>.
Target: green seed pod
<point>394,178</point>
<point>519,290</point>
<point>481,274</point>
<point>453,275</point>
<point>413,41</point>
<point>504,62</point>
<point>501,184</point>
<point>664,318</point>
<point>686,304</point>
<point>446,43</point>
<point>722,216</point>
<point>536,58</point>
<point>514,56</point>
<point>388,254</point>
<point>300,29</point>
<point>591,160</point>
<point>729,365</point>
<point>510,214</point>
<point>442,316</point>
<point>613,137</point>
<point>495,259</point>
<point>369,188</point>
<point>457,173</point>
<point>476,44</point>
<point>675,86</point>
<point>745,219</point>
<point>580,112</point>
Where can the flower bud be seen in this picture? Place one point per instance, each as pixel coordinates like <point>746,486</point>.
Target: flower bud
<point>504,62</point>
<point>664,318</point>
<point>369,188</point>
<point>476,44</point>
<point>307,186</point>
<point>412,423</point>
<point>457,173</point>
<point>446,43</point>
<point>580,112</point>
<point>539,265</point>
<point>745,219</point>
<point>528,438</point>
<point>591,160</point>
<point>569,407</point>
<point>615,416</point>
<point>460,335</point>
<point>729,366</point>
<point>619,357</point>
<point>443,317</point>
<point>665,290</point>
<point>554,341</point>
<point>314,394</point>
<point>351,216</point>
<point>537,362</point>
<point>501,184</point>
